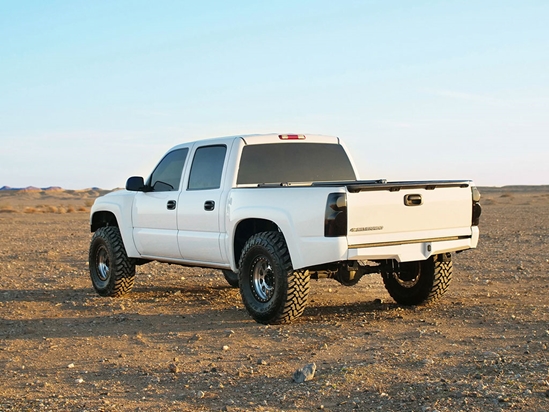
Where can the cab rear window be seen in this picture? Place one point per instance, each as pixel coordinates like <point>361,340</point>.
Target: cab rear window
<point>294,162</point>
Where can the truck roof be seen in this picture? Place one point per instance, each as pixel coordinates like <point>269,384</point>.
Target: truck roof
<point>252,139</point>
<point>288,137</point>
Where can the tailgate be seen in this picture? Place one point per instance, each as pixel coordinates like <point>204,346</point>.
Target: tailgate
<point>395,213</point>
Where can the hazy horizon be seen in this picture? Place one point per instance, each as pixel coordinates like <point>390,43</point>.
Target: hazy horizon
<point>93,93</point>
<point>3,187</point>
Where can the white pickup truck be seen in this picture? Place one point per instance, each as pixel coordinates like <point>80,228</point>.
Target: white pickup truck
<point>272,212</point>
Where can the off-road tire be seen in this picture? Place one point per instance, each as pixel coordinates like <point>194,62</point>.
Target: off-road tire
<point>421,282</point>
<point>231,278</point>
<point>271,290</point>
<point>112,272</point>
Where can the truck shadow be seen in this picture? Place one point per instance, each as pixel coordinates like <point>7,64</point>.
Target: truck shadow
<point>153,310</point>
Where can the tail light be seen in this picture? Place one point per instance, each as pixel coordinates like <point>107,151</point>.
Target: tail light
<point>335,219</point>
<point>477,210</point>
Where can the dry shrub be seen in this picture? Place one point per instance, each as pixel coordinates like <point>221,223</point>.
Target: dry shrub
<point>89,202</point>
<point>71,209</point>
<point>82,209</point>
<point>61,210</point>
<point>51,209</point>
<point>7,209</point>
<point>30,210</point>
<point>507,195</point>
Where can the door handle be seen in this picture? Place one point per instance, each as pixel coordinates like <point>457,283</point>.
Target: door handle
<point>413,200</point>
<point>209,205</point>
<point>171,204</point>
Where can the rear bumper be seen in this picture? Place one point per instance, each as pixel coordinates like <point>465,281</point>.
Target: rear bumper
<point>412,250</point>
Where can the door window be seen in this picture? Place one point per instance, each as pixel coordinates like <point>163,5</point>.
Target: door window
<point>167,175</point>
<point>207,168</point>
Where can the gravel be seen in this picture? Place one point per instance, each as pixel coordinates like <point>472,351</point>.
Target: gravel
<point>484,347</point>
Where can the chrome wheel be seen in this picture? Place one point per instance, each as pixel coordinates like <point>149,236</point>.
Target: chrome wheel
<point>102,262</point>
<point>407,274</point>
<point>262,279</point>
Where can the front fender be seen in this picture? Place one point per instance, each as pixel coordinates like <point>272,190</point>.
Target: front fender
<point>119,204</point>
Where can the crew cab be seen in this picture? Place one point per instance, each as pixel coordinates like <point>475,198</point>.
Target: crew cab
<point>273,211</point>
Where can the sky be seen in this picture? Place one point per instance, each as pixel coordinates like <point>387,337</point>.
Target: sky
<point>92,92</point>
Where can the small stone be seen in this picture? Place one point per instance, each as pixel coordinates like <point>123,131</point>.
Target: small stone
<point>70,365</point>
<point>229,333</point>
<point>225,347</point>
<point>79,380</point>
<point>305,373</point>
<point>200,394</point>
<point>489,354</point>
<point>261,362</point>
<point>173,368</point>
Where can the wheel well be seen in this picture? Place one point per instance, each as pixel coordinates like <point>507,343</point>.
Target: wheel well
<point>101,219</point>
<point>246,229</point>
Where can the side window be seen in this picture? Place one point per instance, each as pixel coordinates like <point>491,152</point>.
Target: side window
<point>167,175</point>
<point>207,168</point>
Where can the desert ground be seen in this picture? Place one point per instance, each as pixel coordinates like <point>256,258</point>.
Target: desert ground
<point>182,341</point>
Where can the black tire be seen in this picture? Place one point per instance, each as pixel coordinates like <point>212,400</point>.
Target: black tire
<point>421,282</point>
<point>271,290</point>
<point>231,278</point>
<point>112,272</point>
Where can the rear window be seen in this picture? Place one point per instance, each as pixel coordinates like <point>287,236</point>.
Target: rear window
<point>294,162</point>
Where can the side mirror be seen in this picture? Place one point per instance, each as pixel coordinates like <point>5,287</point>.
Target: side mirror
<point>135,184</point>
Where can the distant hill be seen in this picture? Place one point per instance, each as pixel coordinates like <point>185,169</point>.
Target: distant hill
<point>52,199</point>
<point>47,189</point>
<point>51,189</point>
<point>515,188</point>
<point>33,188</point>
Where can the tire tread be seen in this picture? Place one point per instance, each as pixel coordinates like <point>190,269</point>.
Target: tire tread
<point>122,268</point>
<point>296,295</point>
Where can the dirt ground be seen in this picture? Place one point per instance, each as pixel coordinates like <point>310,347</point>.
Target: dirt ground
<point>183,341</point>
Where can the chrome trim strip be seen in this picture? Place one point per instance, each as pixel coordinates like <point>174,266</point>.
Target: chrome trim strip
<point>409,242</point>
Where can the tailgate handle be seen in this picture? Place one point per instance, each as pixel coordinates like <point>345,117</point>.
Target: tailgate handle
<point>413,200</point>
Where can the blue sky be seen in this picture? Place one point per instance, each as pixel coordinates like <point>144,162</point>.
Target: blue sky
<point>94,92</point>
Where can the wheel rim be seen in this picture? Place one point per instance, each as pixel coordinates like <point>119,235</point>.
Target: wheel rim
<point>103,264</point>
<point>408,275</point>
<point>262,279</point>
